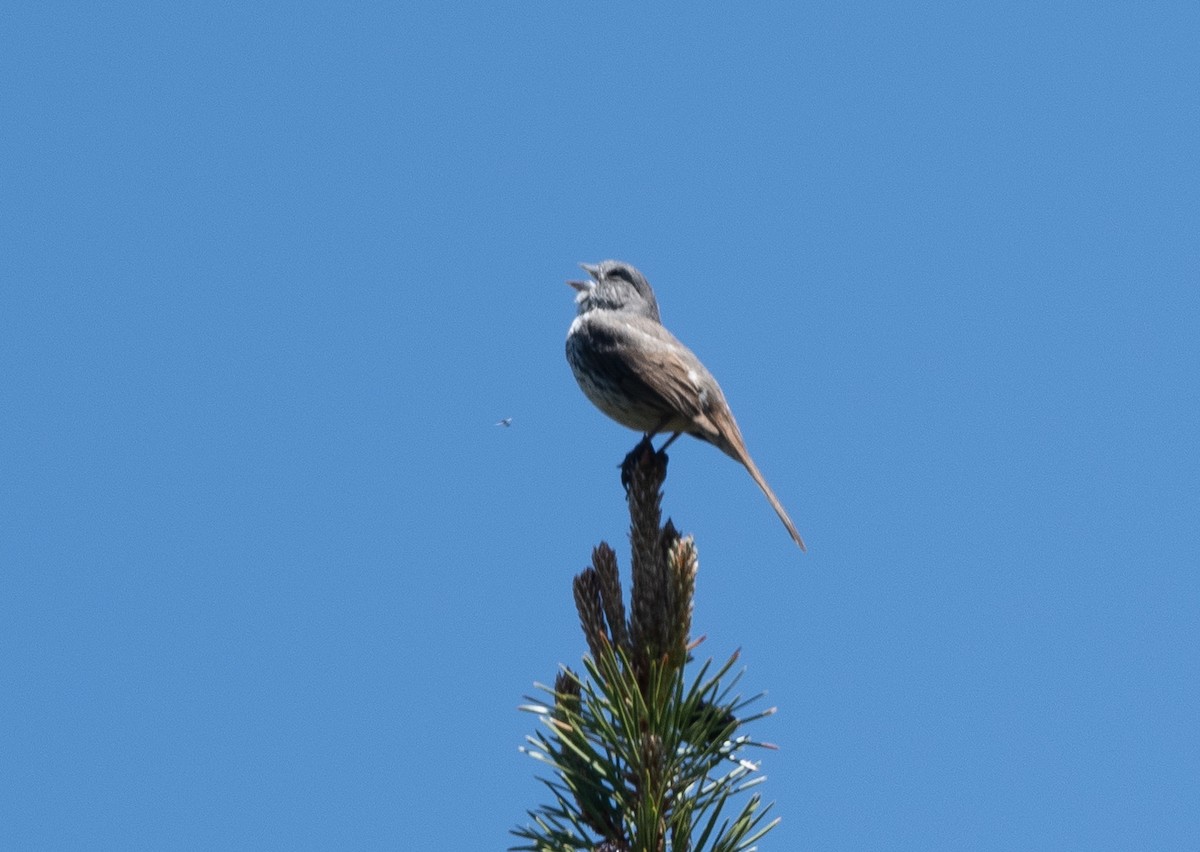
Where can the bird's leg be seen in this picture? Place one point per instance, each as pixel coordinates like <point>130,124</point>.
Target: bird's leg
<point>644,448</point>
<point>669,442</point>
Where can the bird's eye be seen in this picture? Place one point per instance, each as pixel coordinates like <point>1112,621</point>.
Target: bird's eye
<point>620,272</point>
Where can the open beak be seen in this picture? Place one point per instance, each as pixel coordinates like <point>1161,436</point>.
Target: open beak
<point>592,271</point>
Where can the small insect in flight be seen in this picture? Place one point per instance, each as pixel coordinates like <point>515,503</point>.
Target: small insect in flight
<point>506,422</point>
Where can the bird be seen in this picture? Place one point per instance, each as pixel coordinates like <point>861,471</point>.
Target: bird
<point>640,375</point>
<point>505,422</point>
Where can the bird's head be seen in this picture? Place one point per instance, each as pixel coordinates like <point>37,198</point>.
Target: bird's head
<point>615,286</point>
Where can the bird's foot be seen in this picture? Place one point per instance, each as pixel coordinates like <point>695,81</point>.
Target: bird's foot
<point>643,454</point>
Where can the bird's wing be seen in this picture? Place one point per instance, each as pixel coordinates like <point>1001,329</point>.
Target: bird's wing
<point>663,370</point>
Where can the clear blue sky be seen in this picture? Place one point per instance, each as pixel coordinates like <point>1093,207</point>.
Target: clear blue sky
<point>269,275</point>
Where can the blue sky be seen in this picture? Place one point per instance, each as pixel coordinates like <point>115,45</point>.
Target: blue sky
<point>273,578</point>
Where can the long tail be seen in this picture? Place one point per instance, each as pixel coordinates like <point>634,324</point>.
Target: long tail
<point>718,427</point>
<point>774,501</point>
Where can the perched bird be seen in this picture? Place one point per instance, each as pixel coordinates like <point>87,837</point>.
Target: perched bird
<point>637,373</point>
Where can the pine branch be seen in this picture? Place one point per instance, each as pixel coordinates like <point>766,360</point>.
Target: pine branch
<point>643,759</point>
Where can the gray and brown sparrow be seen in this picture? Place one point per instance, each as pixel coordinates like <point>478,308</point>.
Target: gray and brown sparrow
<point>637,373</point>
